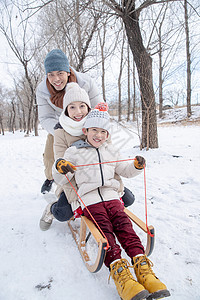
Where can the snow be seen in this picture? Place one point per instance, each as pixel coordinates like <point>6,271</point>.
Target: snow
<point>179,114</point>
<point>38,265</point>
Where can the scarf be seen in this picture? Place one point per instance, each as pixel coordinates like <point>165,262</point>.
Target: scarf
<point>72,127</point>
<point>56,97</point>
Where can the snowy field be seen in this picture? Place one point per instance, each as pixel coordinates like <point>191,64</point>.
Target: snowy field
<point>36,265</point>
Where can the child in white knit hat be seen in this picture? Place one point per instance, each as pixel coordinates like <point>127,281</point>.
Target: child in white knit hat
<point>98,188</point>
<point>76,105</point>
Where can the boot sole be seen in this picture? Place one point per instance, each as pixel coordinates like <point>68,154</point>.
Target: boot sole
<point>44,225</point>
<point>140,296</point>
<point>159,295</point>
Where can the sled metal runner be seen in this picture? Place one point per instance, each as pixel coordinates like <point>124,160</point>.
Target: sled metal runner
<point>81,238</point>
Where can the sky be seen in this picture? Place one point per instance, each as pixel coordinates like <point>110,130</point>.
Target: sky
<point>8,63</point>
<point>38,265</point>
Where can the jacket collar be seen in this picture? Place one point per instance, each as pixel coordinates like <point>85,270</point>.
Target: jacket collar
<point>82,144</point>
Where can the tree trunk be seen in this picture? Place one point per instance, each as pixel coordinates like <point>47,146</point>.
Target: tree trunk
<point>29,117</point>
<point>134,93</point>
<point>78,29</point>
<point>36,121</point>
<point>119,83</point>
<point>143,63</point>
<point>13,126</point>
<point>24,117</point>
<point>32,97</point>
<point>19,116</point>
<point>128,79</point>
<point>189,112</point>
<point>2,128</point>
<point>160,75</point>
<point>88,41</point>
<point>102,41</point>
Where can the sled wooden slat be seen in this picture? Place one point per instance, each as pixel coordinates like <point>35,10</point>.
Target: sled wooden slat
<point>81,240</point>
<point>81,243</point>
<point>142,225</point>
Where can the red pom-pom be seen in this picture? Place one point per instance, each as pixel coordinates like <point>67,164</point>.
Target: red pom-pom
<point>103,106</point>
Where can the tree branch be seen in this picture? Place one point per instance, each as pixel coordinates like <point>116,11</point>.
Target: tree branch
<point>148,3</point>
<point>114,6</point>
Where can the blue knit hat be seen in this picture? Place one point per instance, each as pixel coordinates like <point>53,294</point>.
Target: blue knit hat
<point>56,60</point>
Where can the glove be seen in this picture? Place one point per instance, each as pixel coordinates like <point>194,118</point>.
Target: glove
<point>102,106</point>
<point>64,166</point>
<point>139,162</point>
<point>78,212</point>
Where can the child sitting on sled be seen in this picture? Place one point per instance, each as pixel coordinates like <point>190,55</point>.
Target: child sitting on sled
<point>98,190</point>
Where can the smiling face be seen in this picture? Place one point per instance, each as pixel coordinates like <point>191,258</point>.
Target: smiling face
<point>58,79</point>
<point>77,110</point>
<point>96,136</point>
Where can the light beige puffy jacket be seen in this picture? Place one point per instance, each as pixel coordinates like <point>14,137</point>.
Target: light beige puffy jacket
<point>62,141</point>
<point>96,183</point>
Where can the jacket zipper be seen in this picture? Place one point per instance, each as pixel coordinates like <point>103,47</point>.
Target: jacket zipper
<point>101,171</point>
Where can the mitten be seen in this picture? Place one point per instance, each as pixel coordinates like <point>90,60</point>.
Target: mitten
<point>78,212</point>
<point>102,106</point>
<point>64,166</point>
<point>139,162</point>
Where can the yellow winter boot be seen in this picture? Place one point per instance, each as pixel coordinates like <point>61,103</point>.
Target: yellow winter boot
<point>145,276</point>
<point>128,288</point>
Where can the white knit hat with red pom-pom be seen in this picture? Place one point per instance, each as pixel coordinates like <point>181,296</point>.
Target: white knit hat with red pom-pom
<point>97,118</point>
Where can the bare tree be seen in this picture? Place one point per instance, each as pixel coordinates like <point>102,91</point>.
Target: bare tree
<point>130,14</point>
<point>19,94</point>
<point>13,124</point>
<point>130,17</point>
<point>76,26</point>
<point>166,42</point>
<point>108,44</point>
<point>176,33</point>
<point>2,109</point>
<point>1,124</point>
<point>187,40</point>
<point>128,85</point>
<point>102,41</point>
<point>161,80</point>
<point>19,116</point>
<point>134,92</point>
<point>119,80</point>
<point>23,51</point>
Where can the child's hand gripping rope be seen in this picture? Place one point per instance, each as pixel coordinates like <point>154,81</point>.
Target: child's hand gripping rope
<point>64,166</point>
<point>139,162</point>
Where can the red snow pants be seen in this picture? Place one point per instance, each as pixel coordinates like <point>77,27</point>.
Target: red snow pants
<point>113,221</point>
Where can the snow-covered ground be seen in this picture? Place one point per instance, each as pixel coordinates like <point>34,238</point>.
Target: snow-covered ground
<point>179,114</point>
<point>36,265</point>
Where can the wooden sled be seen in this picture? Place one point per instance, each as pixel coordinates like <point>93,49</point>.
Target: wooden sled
<point>87,228</point>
